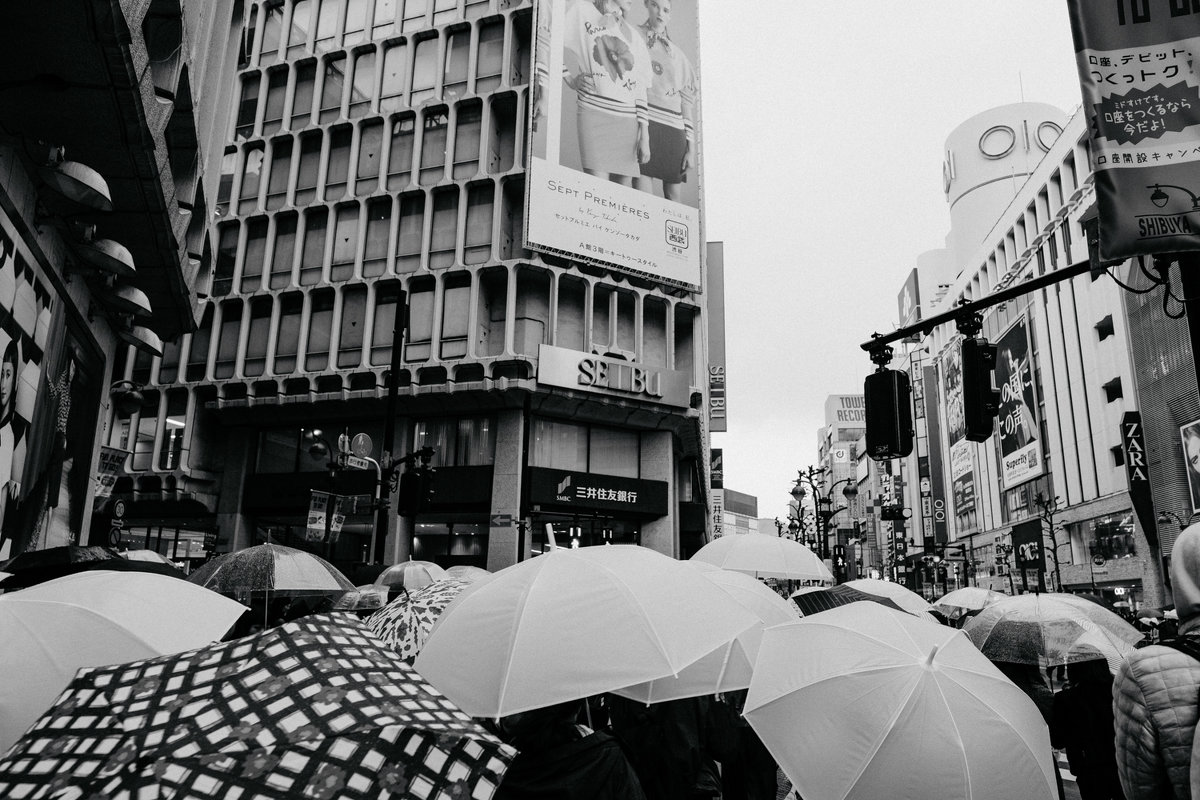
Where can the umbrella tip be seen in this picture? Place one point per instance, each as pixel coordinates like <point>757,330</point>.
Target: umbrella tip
<point>929,658</point>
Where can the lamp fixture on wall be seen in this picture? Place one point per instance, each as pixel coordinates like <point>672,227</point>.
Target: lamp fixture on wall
<point>126,396</point>
<point>126,299</point>
<point>105,255</point>
<point>141,338</point>
<point>76,182</point>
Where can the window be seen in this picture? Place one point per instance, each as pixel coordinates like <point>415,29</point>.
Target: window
<point>313,257</point>
<point>276,93</point>
<point>338,164</point>
<point>424,71</point>
<point>362,88</point>
<point>287,342</point>
<point>1104,328</point>
<point>345,243</point>
<point>391,95</point>
<point>328,18</point>
<point>444,234</point>
<point>225,187</point>
<point>420,322</point>
<point>412,223</point>
<point>227,342</point>
<point>227,242</point>
<point>1118,455</point>
<point>493,308</point>
<point>320,327</point>
<point>386,299</point>
<point>272,32</point>
<point>475,8</point>
<point>297,40</point>
<point>331,88</point>
<point>281,166</point>
<point>456,310</point>
<point>370,150</point>
<point>559,445</point>
<point>251,179</point>
<point>354,315</point>
<point>256,253</point>
<point>1111,536</point>
<point>654,332</point>
<point>467,131</point>
<point>400,154</point>
<point>143,445</point>
<point>197,369</point>
<point>489,66</point>
<point>247,106</point>
<point>302,96</point>
<point>356,22</point>
<point>384,20</point>
<point>414,15</point>
<point>375,246</point>
<point>310,165</point>
<point>1112,390</point>
<point>463,442</point>
<point>477,246</point>
<point>458,57</point>
<point>613,452</point>
<point>168,368</point>
<point>444,11</point>
<point>259,333</point>
<point>285,251</point>
<point>433,146</point>
<point>502,138</point>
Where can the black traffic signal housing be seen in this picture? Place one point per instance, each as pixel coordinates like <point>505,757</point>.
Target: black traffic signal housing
<point>888,404</point>
<point>416,490</point>
<point>981,401</point>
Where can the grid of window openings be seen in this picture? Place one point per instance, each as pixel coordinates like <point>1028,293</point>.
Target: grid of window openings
<point>377,146</point>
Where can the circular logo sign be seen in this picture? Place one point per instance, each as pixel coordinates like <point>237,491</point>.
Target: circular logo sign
<point>361,445</point>
<point>1098,561</point>
<point>118,508</point>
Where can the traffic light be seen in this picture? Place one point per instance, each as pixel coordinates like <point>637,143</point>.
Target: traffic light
<point>981,401</point>
<point>416,490</point>
<point>888,396</point>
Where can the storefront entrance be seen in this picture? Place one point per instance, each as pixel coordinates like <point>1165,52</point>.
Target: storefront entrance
<point>582,530</point>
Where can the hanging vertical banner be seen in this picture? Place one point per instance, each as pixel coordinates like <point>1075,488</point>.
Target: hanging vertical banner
<point>1137,472</point>
<point>1142,102</point>
<point>1020,447</point>
<point>613,174</point>
<point>716,471</point>
<point>962,471</point>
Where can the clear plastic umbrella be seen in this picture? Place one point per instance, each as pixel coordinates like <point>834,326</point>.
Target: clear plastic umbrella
<point>965,600</point>
<point>410,575</point>
<point>1050,629</point>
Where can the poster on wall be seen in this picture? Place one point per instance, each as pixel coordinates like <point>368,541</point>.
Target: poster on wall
<point>962,472</point>
<point>1017,426</point>
<point>1141,97</point>
<point>49,400</point>
<point>1189,437</point>
<point>613,173</point>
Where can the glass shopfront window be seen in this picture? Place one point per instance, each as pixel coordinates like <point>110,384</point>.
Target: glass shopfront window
<point>584,448</point>
<point>457,442</point>
<point>1111,536</point>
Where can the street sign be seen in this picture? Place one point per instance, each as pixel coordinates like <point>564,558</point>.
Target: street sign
<point>361,444</point>
<point>1098,560</point>
<point>501,520</point>
<point>348,461</point>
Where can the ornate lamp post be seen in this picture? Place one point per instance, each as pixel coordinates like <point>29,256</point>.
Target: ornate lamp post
<point>813,480</point>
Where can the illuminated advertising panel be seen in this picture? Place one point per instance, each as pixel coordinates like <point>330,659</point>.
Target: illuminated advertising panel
<point>613,174</point>
<point>1018,430</point>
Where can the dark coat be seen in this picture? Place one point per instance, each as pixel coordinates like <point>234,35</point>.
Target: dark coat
<point>591,767</point>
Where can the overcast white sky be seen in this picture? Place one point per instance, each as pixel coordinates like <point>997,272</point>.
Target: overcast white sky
<point>824,125</point>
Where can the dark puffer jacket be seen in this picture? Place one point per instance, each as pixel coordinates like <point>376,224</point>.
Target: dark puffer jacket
<point>1155,695</point>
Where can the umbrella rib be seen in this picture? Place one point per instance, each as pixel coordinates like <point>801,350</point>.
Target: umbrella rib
<point>887,729</point>
<point>516,632</point>
<point>643,618</point>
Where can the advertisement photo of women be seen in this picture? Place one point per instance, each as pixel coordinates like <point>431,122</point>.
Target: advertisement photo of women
<point>1189,436</point>
<point>671,100</point>
<point>12,430</point>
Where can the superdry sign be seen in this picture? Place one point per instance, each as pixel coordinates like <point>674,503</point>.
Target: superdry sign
<point>583,491</point>
<point>571,369</point>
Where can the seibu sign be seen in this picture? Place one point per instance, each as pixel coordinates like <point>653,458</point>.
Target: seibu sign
<point>571,369</point>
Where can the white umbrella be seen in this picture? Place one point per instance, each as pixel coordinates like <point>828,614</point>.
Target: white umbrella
<point>730,666</point>
<point>91,619</point>
<point>468,573</point>
<point>898,593</point>
<point>862,701</point>
<point>572,623</point>
<point>411,575</point>
<point>764,556</point>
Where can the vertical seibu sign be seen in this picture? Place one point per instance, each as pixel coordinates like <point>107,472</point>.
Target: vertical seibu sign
<point>1141,98</point>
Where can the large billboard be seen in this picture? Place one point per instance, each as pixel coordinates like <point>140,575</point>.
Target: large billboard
<point>962,469</point>
<point>1020,447</point>
<point>613,174</point>
<point>1141,97</point>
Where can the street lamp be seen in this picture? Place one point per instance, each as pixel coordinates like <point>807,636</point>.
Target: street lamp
<point>813,478</point>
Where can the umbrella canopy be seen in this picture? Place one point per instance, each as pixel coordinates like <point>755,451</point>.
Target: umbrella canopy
<point>1050,628</point>
<point>271,568</point>
<point>572,623</point>
<point>404,623</point>
<point>317,708</point>
<point>146,555</point>
<point>59,556</point>
<point>410,575</point>
<point>866,702</point>
<point>364,598</point>
<point>898,593</point>
<point>810,603</point>
<point>729,667</point>
<point>465,572</point>
<point>965,600</point>
<point>90,619</point>
<point>38,566</point>
<point>764,556</point>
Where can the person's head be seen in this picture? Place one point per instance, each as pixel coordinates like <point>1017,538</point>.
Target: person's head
<point>8,380</point>
<point>1185,574</point>
<point>1191,448</point>
<point>658,14</point>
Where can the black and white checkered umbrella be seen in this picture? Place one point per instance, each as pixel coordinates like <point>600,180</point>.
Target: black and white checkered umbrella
<point>318,708</point>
